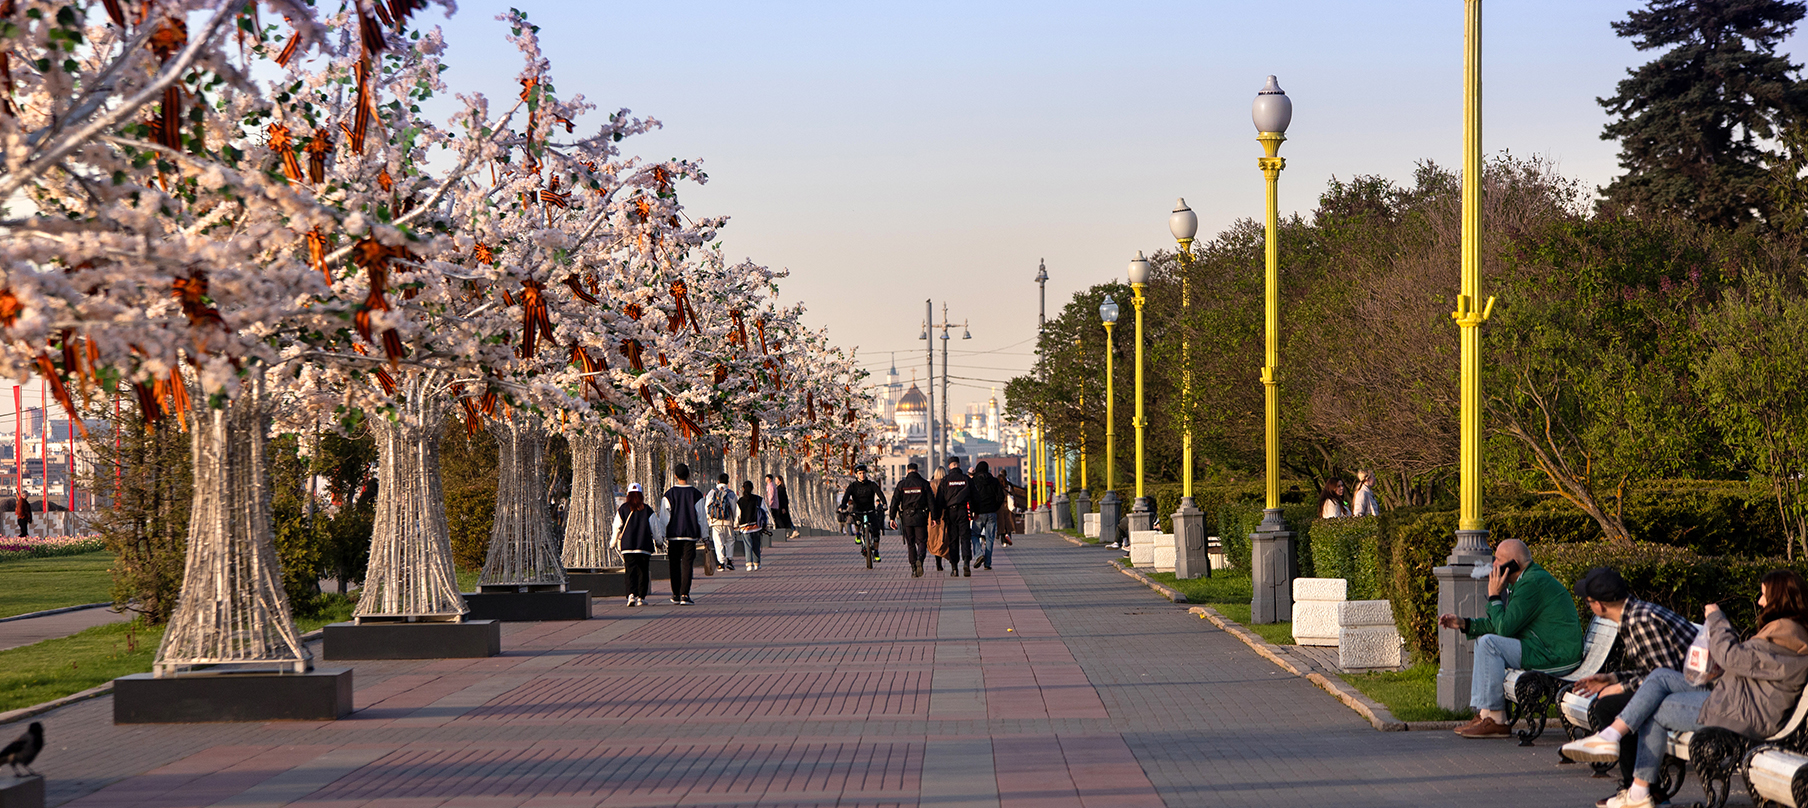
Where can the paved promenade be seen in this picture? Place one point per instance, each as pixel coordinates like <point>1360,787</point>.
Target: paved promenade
<point>1051,681</point>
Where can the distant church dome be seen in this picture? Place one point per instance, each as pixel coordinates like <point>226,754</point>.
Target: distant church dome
<point>913,401</point>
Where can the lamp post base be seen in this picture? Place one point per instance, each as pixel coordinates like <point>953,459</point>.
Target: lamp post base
<point>1063,513</point>
<point>1142,514</point>
<point>1110,513</point>
<point>1082,505</point>
<point>1462,595</point>
<point>1190,559</point>
<point>1271,564</point>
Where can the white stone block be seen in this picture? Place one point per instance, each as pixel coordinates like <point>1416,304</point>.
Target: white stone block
<point>1218,561</point>
<point>1315,622</point>
<point>1142,548</point>
<point>1327,589</point>
<point>1090,525</point>
<point>1164,554</point>
<point>1367,647</point>
<point>1361,613</point>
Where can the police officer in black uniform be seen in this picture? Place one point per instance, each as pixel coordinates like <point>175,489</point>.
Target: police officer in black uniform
<point>956,522</point>
<point>864,499</point>
<point>911,503</point>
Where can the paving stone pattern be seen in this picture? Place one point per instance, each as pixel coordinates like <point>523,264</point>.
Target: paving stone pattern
<point>1050,681</point>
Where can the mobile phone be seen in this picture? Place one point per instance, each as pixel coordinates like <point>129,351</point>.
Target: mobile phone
<point>1509,568</point>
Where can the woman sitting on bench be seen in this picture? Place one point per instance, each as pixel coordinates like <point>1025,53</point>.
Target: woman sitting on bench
<point>1763,681</point>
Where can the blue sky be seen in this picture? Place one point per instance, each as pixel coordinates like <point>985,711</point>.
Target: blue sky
<point>888,153</point>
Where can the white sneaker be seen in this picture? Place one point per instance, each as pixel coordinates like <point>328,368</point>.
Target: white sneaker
<point>1620,800</point>
<point>1593,749</point>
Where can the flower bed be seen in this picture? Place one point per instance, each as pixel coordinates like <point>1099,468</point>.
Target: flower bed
<point>18,548</point>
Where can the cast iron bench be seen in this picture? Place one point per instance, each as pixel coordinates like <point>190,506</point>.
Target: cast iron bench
<point>1530,693</point>
<point>1718,754</point>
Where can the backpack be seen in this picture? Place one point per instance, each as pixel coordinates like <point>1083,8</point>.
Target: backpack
<point>721,508</point>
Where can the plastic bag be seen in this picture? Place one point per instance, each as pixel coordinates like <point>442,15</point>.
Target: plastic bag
<point>1698,667</point>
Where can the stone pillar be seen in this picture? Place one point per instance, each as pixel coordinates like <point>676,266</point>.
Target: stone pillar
<point>1271,570</point>
<point>1082,505</point>
<point>1110,511</point>
<point>1190,560</point>
<point>1465,596</point>
<point>1063,514</point>
<point>1142,514</point>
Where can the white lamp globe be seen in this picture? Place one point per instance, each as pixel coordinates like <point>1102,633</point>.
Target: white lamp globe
<point>1108,311</point>
<point>1183,222</point>
<point>1139,269</point>
<point>1273,110</point>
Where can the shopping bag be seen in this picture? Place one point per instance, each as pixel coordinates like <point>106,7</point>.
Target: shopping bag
<point>1699,668</point>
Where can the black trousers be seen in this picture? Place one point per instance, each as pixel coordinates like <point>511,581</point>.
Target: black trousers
<point>916,541</point>
<point>681,554</point>
<point>781,518</point>
<point>956,533</point>
<point>639,569</point>
<point>1610,707</point>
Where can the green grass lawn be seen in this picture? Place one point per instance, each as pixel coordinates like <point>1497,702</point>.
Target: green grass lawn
<point>1227,592</point>
<point>1411,694</point>
<point>36,584</point>
<point>467,580</point>
<point>1068,531</point>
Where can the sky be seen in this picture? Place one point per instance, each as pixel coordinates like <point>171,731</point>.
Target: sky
<point>890,153</point>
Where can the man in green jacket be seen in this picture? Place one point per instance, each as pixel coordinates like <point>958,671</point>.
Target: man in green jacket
<point>1531,624</point>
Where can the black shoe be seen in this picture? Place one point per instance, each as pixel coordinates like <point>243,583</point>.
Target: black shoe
<point>677,602</point>
<point>966,570</point>
<point>938,563</point>
<point>952,572</point>
<point>988,565</point>
<point>687,601</point>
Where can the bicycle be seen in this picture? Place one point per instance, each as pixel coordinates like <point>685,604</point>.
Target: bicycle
<point>861,523</point>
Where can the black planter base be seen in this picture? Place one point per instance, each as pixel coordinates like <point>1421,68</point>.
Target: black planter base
<point>21,792</point>
<point>605,582</point>
<point>323,694</point>
<point>526,607</point>
<point>472,638</point>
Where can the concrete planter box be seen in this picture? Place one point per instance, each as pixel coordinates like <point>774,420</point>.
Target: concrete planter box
<point>1152,549</point>
<point>323,694</point>
<point>1089,525</point>
<point>1367,636</point>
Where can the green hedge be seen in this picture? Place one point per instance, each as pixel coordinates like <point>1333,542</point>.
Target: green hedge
<point>1236,521</point>
<point>1350,549</point>
<point>1711,517</point>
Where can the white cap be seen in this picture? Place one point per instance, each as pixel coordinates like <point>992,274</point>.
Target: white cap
<point>632,487</point>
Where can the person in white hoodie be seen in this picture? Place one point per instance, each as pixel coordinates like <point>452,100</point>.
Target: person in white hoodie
<point>719,507</point>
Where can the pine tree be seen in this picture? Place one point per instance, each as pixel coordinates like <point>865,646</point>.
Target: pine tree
<point>1693,123</point>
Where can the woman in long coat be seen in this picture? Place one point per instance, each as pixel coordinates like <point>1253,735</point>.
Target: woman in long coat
<point>938,542</point>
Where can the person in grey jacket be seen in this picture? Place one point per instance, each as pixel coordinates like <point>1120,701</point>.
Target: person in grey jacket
<point>1763,680</point>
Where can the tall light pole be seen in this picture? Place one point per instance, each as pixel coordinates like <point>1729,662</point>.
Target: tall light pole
<point>1109,505</point>
<point>929,356</point>
<point>1142,513</point>
<point>947,426</point>
<point>1458,593</point>
<point>1190,557</point>
<point>1272,545</point>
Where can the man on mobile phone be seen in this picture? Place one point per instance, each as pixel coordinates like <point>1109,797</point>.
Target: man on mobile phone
<point>1531,624</point>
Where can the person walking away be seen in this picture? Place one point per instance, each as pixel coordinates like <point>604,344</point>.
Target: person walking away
<point>864,501</point>
<point>1531,624</point>
<point>1007,522</point>
<point>754,520</point>
<point>983,497</point>
<point>1652,638</point>
<point>1330,501</point>
<point>22,510</point>
<point>681,507</point>
<point>956,521</point>
<point>1364,503</point>
<point>911,503</point>
<point>635,541</point>
<point>938,536</point>
<point>1761,684</point>
<point>779,504</point>
<point>719,508</point>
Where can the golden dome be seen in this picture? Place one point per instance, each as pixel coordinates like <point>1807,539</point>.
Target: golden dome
<point>912,401</point>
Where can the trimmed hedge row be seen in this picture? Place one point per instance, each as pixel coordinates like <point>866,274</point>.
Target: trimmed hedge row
<point>1350,549</point>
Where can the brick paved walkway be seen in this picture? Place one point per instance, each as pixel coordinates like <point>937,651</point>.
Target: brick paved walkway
<point>1051,681</point>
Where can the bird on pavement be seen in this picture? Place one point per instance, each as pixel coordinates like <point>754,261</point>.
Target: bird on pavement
<point>22,752</point>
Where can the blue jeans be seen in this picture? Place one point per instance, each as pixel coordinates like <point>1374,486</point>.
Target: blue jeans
<point>1663,701</point>
<point>751,541</point>
<point>985,531</point>
<point>1494,654</point>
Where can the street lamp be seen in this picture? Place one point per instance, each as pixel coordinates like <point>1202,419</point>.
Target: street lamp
<point>1109,506</point>
<point>1142,514</point>
<point>1190,557</point>
<point>1271,543</point>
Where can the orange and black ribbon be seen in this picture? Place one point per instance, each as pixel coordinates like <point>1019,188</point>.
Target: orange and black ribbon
<point>283,143</point>
<point>534,318</point>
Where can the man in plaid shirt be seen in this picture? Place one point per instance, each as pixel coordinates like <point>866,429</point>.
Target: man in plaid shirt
<point>1651,637</point>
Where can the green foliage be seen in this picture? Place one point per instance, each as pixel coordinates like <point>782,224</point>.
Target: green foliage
<point>148,474</point>
<point>1349,549</point>
<point>1237,521</point>
<point>1672,576</point>
<point>1694,122</point>
<point>468,465</point>
<point>1418,543</point>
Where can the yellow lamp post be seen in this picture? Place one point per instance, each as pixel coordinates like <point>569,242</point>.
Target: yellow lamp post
<point>1142,515</point>
<point>1184,224</point>
<point>1109,505</point>
<point>1084,482</point>
<point>1271,565</point>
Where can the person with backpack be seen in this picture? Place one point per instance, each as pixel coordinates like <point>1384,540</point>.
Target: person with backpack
<point>719,508</point>
<point>681,509</point>
<point>984,495</point>
<point>635,541</point>
<point>911,503</point>
<point>755,519</point>
<point>951,498</point>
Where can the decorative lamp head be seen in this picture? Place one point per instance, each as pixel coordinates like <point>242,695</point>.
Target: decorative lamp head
<point>1273,110</point>
<point>1139,269</point>
<point>1108,311</point>
<point>1183,222</point>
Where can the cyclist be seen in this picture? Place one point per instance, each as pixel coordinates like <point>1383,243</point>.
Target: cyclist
<point>864,500</point>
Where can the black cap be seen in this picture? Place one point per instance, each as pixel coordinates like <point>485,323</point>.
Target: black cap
<point>861,467</point>
<point>1603,584</point>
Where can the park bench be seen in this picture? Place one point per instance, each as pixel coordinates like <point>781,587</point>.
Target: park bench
<point>1583,716</point>
<point>1530,694</point>
<point>1718,754</point>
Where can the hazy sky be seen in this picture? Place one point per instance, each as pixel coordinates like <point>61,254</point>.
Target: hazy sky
<point>888,154</point>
